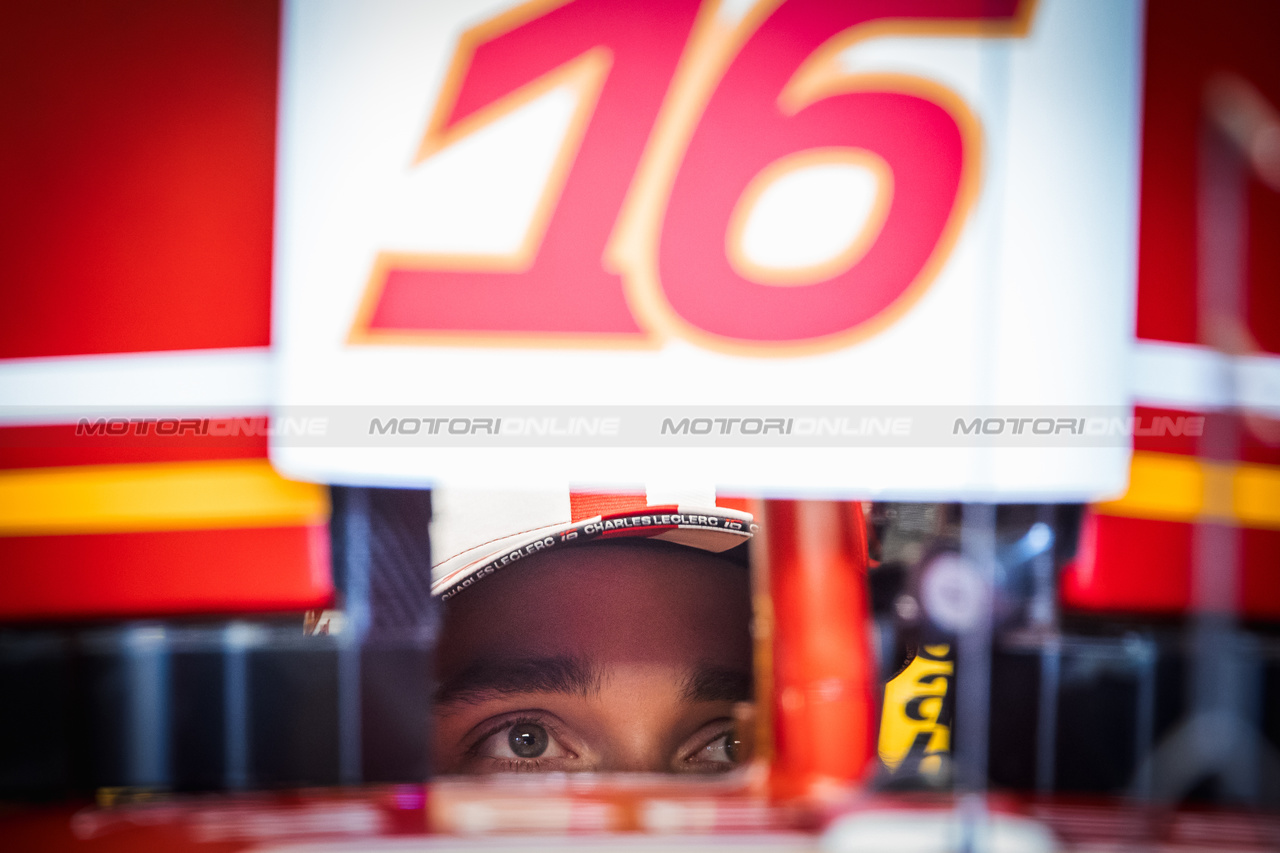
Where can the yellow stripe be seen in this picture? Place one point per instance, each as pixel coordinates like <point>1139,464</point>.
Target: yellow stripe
<point>1186,488</point>
<point>1257,495</point>
<point>155,496</point>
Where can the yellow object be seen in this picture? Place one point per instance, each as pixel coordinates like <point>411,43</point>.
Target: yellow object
<point>155,496</point>
<point>1170,487</point>
<point>911,728</point>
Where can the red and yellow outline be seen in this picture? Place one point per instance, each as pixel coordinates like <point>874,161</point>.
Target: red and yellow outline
<point>631,250</point>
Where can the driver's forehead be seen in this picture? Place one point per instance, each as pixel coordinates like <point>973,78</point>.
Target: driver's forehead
<point>624,602</point>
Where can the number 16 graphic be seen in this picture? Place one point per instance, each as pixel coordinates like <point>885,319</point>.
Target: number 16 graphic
<point>681,119</point>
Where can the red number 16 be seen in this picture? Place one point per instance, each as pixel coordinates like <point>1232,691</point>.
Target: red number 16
<point>678,113</point>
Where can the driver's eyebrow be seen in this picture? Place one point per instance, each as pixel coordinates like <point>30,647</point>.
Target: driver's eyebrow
<point>485,679</point>
<point>709,683</point>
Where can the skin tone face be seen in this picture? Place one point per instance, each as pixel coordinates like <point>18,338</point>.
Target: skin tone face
<point>609,657</point>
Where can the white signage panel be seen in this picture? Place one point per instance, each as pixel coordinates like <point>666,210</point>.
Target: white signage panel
<point>799,246</point>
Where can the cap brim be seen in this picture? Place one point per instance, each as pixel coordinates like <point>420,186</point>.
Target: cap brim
<point>714,529</point>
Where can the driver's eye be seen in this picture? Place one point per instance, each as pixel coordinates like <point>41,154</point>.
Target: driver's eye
<point>714,749</point>
<point>522,740</point>
<point>528,740</point>
<point>722,750</point>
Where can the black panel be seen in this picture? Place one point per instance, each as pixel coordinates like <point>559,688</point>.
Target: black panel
<point>106,712</point>
<point>35,700</point>
<point>1097,721</point>
<point>198,724</point>
<point>1015,708</point>
<point>395,713</point>
<point>293,716</point>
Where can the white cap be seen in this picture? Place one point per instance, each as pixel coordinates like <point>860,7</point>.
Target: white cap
<point>475,534</point>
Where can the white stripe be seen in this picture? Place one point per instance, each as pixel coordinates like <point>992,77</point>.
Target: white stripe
<point>1258,383</point>
<point>188,382</point>
<point>1189,376</point>
<point>240,381</point>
